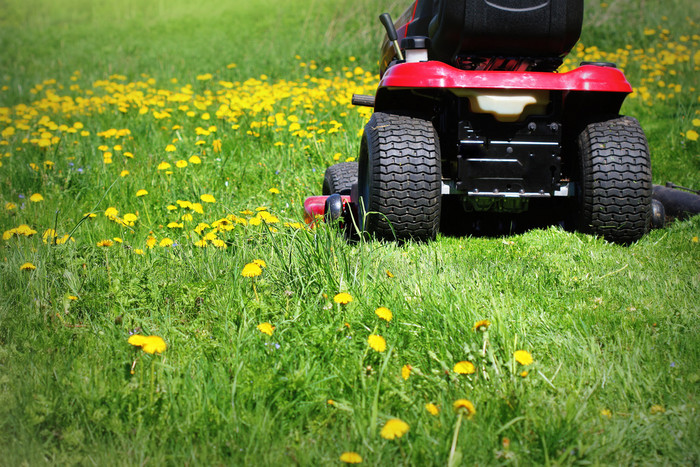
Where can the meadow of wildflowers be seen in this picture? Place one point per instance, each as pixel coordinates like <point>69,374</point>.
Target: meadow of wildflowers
<point>162,301</point>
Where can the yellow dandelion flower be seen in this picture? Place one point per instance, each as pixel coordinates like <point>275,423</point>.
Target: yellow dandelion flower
<point>523,357</point>
<point>166,242</point>
<point>130,218</point>
<point>377,342</point>
<point>251,270</point>
<point>72,297</point>
<point>606,413</point>
<point>482,325</point>
<point>153,344</point>
<point>343,298</point>
<point>351,458</point>
<point>137,340</point>
<point>389,274</point>
<point>195,160</point>
<point>123,173</point>
<point>274,191</point>
<point>406,371</point>
<point>692,135</point>
<point>170,148</point>
<point>266,328</point>
<point>36,197</point>
<point>260,263</point>
<point>181,164</point>
<point>216,145</point>
<point>64,239</point>
<point>25,230</point>
<point>139,251</point>
<point>207,198</point>
<point>141,193</point>
<point>464,368</point>
<point>200,227</point>
<point>105,243</point>
<point>462,405</point>
<point>432,408</point>
<point>524,373</point>
<point>49,234</point>
<point>10,206</point>
<point>384,313</point>
<point>163,166</point>
<point>331,402</point>
<point>264,215</point>
<point>27,267</point>
<point>656,408</point>
<point>394,428</point>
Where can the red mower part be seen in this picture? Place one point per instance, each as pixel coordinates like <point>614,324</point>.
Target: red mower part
<point>314,207</point>
<point>437,75</point>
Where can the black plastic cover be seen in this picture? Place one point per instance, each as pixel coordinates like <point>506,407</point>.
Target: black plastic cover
<point>510,28</point>
<point>415,42</point>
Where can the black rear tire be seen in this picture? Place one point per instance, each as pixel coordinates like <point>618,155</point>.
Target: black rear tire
<point>399,182</point>
<point>615,188</point>
<point>339,178</point>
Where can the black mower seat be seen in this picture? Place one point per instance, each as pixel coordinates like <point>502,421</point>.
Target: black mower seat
<point>525,29</point>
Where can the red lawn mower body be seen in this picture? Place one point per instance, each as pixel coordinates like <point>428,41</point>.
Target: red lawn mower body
<point>472,119</point>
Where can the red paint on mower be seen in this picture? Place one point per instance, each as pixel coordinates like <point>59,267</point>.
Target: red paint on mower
<point>314,208</point>
<point>425,75</point>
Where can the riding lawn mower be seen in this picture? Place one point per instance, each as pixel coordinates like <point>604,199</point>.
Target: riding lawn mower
<point>472,122</point>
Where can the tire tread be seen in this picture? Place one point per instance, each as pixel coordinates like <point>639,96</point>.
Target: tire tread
<point>616,180</point>
<point>405,185</point>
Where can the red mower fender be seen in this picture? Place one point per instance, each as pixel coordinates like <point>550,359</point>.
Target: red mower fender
<point>437,75</point>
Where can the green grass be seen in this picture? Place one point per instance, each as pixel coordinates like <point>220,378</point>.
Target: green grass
<point>612,329</point>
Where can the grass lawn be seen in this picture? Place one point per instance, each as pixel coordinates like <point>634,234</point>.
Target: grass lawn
<point>150,151</point>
